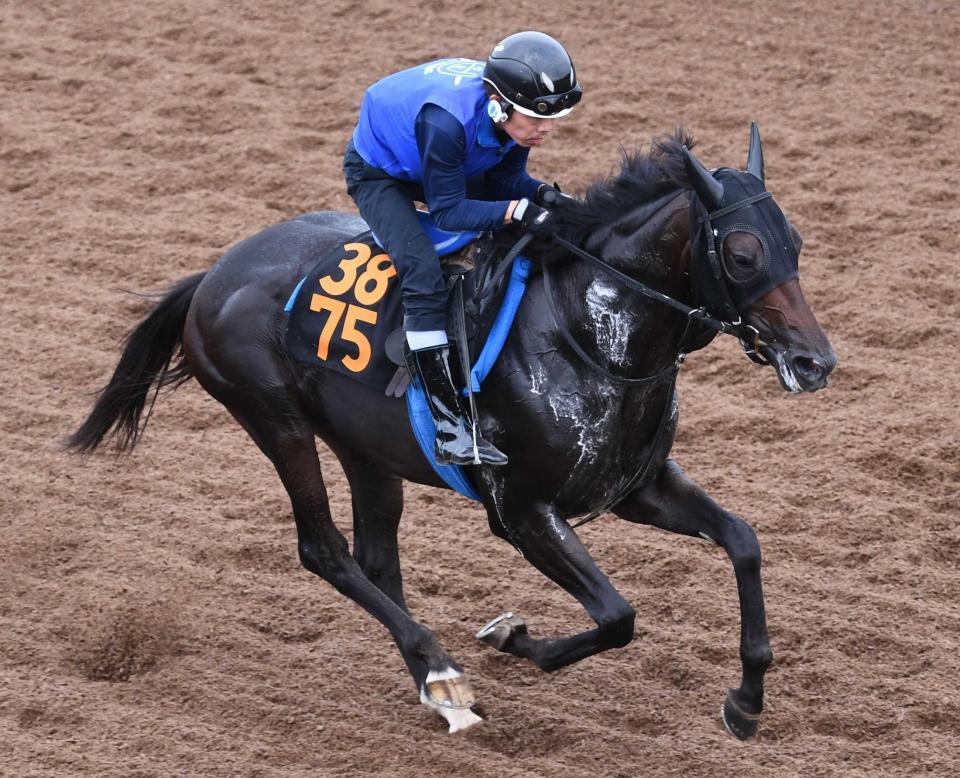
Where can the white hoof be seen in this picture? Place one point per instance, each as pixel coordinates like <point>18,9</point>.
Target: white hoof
<point>448,694</point>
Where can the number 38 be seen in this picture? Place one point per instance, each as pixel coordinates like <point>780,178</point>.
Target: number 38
<point>368,289</point>
<point>378,272</point>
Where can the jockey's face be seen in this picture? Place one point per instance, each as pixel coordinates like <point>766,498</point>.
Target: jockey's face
<point>527,130</point>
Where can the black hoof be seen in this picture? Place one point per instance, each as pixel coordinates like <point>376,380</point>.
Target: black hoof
<point>502,630</point>
<point>738,722</point>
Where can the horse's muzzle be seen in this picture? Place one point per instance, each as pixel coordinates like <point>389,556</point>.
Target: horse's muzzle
<point>799,369</point>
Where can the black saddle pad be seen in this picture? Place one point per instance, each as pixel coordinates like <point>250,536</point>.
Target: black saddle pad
<point>347,306</point>
<point>350,303</point>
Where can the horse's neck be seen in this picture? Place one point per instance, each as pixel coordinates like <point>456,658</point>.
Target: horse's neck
<point>627,333</point>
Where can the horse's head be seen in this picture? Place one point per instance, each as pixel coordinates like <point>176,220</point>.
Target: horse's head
<point>744,268</point>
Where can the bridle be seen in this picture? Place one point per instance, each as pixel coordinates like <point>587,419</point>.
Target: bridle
<point>747,334</point>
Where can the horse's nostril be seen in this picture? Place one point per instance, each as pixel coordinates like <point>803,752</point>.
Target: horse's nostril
<point>808,366</point>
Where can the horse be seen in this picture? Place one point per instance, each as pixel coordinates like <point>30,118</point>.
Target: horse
<point>582,399</point>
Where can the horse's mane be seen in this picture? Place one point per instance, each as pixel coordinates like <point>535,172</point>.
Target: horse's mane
<point>643,177</point>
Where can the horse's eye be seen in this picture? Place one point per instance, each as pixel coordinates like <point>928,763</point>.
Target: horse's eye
<point>742,266</point>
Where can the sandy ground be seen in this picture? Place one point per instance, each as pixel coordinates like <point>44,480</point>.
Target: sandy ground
<point>154,619</point>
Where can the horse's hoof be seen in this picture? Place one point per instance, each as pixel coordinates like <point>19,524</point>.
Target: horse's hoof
<point>448,694</point>
<point>738,722</point>
<point>497,632</point>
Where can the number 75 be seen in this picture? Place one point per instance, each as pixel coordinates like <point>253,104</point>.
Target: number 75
<point>350,333</point>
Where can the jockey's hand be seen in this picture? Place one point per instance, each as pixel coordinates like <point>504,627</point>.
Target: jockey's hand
<point>550,196</point>
<point>534,219</point>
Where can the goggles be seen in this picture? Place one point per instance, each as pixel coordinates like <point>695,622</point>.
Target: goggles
<point>545,107</point>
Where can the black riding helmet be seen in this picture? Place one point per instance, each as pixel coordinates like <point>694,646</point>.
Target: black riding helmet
<point>534,74</point>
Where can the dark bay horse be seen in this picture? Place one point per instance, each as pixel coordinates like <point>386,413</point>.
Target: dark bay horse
<point>582,399</point>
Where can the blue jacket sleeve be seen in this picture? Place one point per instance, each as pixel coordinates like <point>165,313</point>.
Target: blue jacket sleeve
<point>442,145</point>
<point>510,176</point>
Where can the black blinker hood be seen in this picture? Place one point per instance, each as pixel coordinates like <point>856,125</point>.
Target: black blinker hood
<point>722,296</point>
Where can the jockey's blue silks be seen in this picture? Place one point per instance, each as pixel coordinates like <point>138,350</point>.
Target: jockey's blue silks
<point>385,134</point>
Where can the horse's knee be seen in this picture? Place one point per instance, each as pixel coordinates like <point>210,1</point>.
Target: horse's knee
<point>617,631</point>
<point>743,546</point>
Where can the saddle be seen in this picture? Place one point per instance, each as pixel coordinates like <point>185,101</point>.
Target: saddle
<point>346,314</point>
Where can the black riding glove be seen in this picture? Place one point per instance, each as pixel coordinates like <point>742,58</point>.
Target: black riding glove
<point>533,219</point>
<point>550,196</point>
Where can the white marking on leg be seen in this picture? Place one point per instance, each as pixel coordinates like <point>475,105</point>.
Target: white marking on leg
<point>458,719</point>
<point>442,675</point>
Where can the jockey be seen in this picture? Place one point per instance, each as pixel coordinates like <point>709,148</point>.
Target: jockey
<point>455,134</point>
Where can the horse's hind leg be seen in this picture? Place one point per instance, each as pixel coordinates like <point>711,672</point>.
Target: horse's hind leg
<point>675,503</point>
<point>377,506</point>
<point>256,388</point>
<point>323,551</point>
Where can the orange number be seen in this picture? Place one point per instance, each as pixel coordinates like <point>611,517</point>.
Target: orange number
<point>349,266</point>
<point>379,271</point>
<point>351,334</point>
<point>336,307</point>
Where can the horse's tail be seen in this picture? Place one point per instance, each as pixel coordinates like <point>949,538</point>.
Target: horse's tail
<point>148,352</point>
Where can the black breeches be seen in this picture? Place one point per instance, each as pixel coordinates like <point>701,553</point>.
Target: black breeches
<point>387,205</point>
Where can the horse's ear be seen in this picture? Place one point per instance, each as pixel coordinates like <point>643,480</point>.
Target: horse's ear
<point>708,189</point>
<point>755,157</point>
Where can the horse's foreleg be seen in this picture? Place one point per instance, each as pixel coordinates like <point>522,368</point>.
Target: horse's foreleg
<point>675,503</point>
<point>550,545</point>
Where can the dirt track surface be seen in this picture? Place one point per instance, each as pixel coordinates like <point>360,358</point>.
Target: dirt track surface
<point>154,619</point>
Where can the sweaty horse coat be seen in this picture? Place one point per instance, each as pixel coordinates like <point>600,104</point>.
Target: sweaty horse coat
<point>578,431</point>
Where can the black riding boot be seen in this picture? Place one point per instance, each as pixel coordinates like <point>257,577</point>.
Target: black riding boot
<point>454,444</point>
